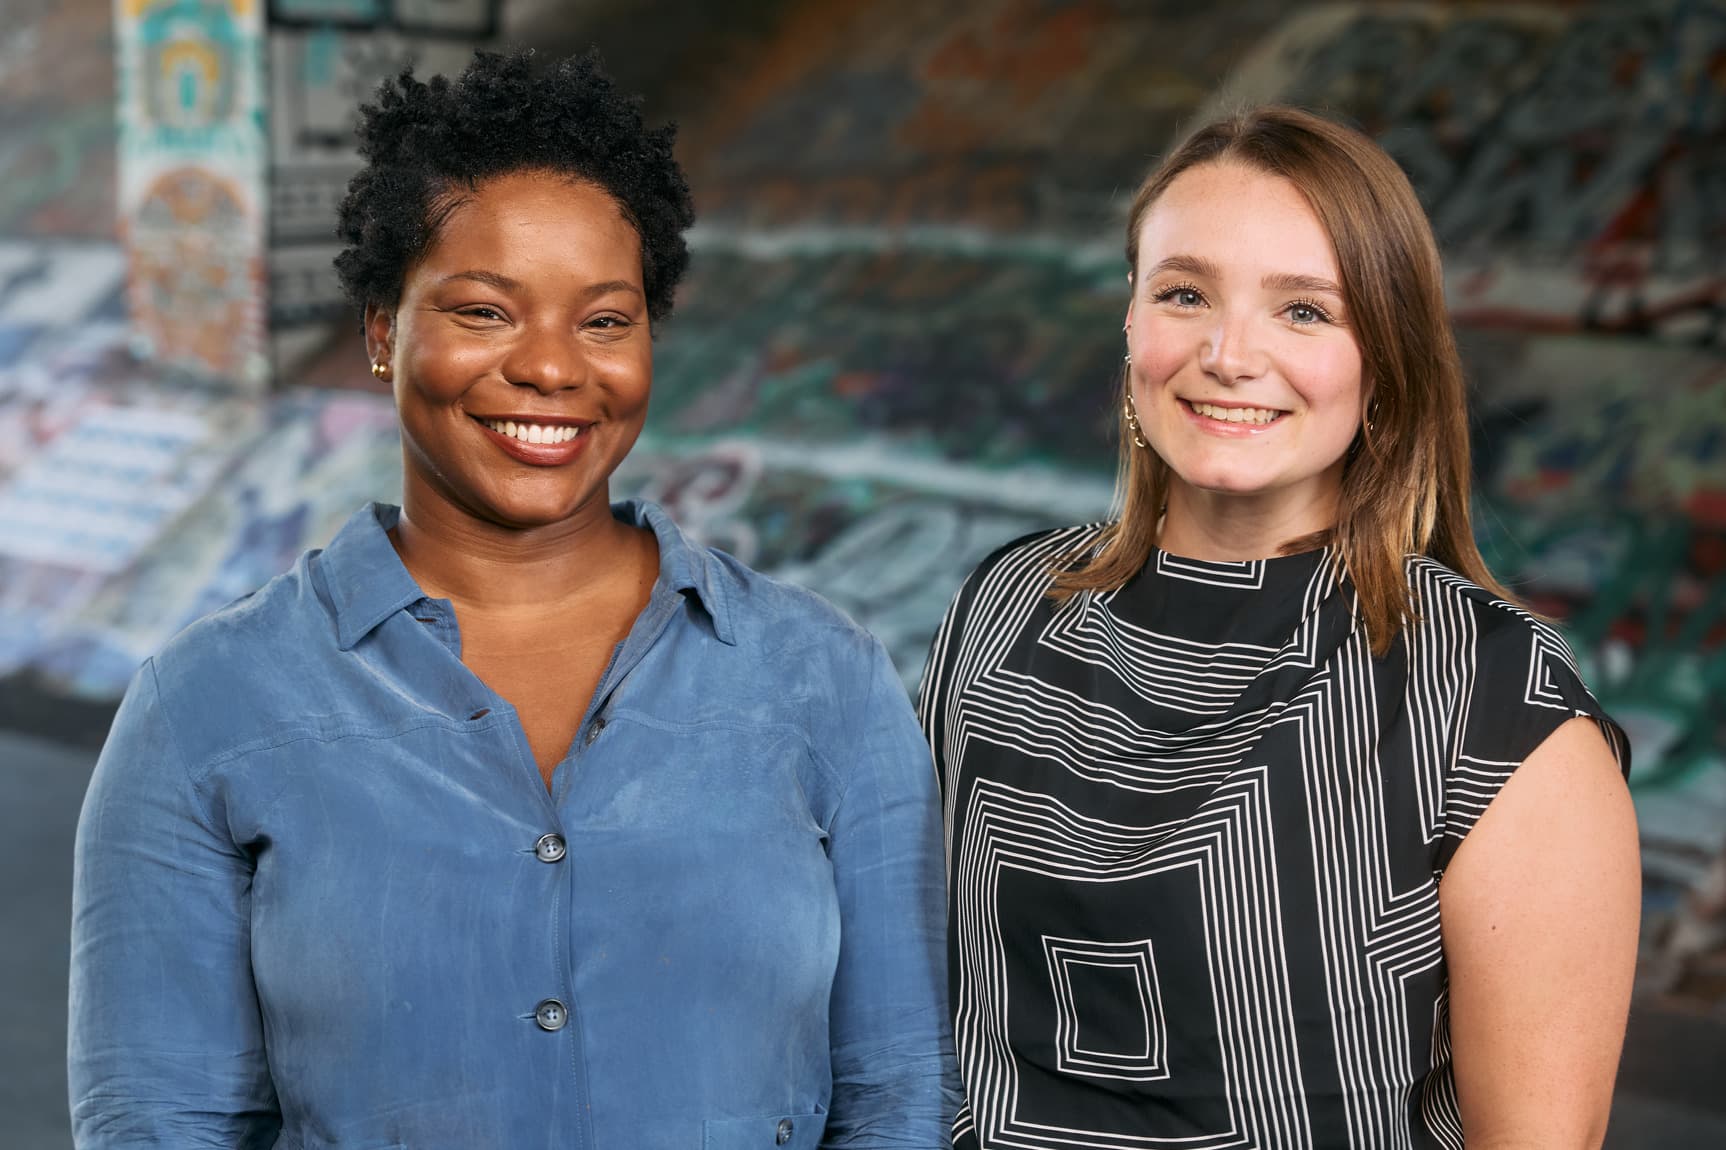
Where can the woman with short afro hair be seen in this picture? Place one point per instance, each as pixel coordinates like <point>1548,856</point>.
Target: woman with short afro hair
<point>513,818</point>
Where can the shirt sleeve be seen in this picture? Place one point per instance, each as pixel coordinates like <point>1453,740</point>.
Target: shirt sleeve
<point>166,1046</point>
<point>935,692</point>
<point>895,1082</point>
<point>1526,685</point>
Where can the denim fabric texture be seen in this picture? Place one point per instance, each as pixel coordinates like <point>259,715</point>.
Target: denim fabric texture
<point>316,905</point>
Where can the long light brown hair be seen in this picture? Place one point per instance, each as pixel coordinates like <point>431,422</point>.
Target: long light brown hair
<point>1405,481</point>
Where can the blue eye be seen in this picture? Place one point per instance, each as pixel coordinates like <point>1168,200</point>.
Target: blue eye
<point>1306,314</point>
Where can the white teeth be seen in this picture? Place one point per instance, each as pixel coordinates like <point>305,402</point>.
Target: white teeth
<point>1255,415</point>
<point>534,432</point>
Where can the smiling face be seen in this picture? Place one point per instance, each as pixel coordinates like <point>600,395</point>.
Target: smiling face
<point>520,353</point>
<point>1245,375</point>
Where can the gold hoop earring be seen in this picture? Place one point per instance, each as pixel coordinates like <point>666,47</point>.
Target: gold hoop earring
<point>1133,423</point>
<point>380,368</point>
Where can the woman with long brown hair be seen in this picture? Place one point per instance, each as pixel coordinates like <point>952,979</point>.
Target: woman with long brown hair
<point>1272,820</point>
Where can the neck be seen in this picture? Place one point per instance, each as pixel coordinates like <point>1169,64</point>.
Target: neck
<point>489,568</point>
<point>1219,527</point>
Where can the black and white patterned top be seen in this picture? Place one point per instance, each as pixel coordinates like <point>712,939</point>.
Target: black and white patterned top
<point>1195,832</point>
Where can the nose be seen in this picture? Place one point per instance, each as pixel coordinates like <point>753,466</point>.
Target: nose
<point>1229,353</point>
<point>546,359</point>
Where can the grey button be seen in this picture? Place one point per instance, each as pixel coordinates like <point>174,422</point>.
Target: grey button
<point>549,848</point>
<point>550,1014</point>
<point>783,1134</point>
<point>593,730</point>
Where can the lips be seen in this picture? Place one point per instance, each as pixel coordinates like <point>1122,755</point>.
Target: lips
<point>541,441</point>
<point>1232,417</point>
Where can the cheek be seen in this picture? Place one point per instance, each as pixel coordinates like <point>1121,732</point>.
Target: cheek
<point>1159,352</point>
<point>625,371</point>
<point>442,366</point>
<point>1330,383</point>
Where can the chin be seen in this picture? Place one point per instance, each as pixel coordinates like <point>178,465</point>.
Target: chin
<point>523,510</point>
<point>1223,481</point>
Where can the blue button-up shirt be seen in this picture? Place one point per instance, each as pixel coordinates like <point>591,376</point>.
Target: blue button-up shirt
<point>324,899</point>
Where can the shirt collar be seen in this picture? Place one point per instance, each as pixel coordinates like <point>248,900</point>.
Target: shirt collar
<point>363,574</point>
<point>683,565</point>
<point>367,582</point>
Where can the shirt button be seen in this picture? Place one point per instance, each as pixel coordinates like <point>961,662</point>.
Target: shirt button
<point>549,848</point>
<point>783,1134</point>
<point>550,1015</point>
<point>593,730</point>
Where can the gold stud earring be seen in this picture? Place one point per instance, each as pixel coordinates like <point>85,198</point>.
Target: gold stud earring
<point>1133,423</point>
<point>380,368</point>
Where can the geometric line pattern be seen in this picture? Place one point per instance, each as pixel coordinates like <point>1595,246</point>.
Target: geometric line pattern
<point>1071,961</point>
<point>1214,854</point>
<point>1246,575</point>
<point>1191,864</point>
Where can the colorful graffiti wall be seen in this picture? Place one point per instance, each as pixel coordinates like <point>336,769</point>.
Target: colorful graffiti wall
<point>910,261</point>
<point>57,143</point>
<point>898,344</point>
<point>325,58</point>
<point>191,183</point>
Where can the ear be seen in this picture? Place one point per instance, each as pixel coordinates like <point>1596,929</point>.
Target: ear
<point>380,329</point>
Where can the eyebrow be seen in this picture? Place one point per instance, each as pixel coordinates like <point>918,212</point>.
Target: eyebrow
<point>1285,281</point>
<point>490,279</point>
<point>505,283</point>
<point>594,291</point>
<point>1276,281</point>
<point>1191,265</point>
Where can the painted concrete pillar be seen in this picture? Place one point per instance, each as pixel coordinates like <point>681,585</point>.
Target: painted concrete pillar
<point>192,184</point>
<point>236,145</point>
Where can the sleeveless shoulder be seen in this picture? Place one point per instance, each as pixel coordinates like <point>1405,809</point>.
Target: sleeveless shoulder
<point>1508,681</point>
<point>1010,578</point>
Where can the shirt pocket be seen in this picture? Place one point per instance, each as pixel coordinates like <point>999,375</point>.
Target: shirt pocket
<point>775,1132</point>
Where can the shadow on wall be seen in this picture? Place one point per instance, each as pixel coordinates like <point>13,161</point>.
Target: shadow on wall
<point>898,343</point>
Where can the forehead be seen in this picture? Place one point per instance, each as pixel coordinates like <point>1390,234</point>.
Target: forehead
<point>540,219</point>
<point>1239,218</point>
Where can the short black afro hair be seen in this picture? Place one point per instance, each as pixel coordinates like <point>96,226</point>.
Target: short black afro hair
<point>425,143</point>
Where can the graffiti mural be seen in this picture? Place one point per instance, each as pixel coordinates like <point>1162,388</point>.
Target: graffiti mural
<point>191,183</point>
<point>326,57</point>
<point>57,143</point>
<point>899,342</point>
<point>929,274</point>
<point>885,537</point>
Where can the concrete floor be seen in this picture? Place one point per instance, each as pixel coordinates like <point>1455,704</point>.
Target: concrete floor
<point>42,784</point>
